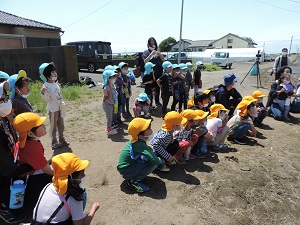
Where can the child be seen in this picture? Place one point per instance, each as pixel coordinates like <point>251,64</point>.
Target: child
<point>178,82</point>
<point>126,89</point>
<point>186,139</point>
<point>142,103</point>
<point>165,85</point>
<point>110,98</point>
<point>201,101</point>
<point>189,79</point>
<point>216,124</point>
<point>184,87</point>
<point>242,124</point>
<point>148,81</point>
<point>55,106</point>
<point>163,142</point>
<point>137,159</point>
<point>199,128</point>
<point>190,103</point>
<point>211,96</point>
<point>19,88</point>
<point>262,111</point>
<point>197,77</point>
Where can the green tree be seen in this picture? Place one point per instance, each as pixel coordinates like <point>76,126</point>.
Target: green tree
<point>165,45</point>
<point>249,39</point>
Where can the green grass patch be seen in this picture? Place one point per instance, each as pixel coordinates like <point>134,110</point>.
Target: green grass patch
<point>208,67</point>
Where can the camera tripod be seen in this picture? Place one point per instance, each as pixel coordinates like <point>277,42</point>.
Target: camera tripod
<point>257,74</point>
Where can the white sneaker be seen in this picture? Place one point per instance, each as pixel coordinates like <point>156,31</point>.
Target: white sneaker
<point>112,132</point>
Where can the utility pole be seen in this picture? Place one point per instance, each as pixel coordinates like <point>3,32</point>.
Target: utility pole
<point>290,46</point>
<point>179,53</point>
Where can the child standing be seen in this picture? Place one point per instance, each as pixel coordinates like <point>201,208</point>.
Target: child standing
<point>186,139</point>
<point>178,82</point>
<point>110,97</point>
<point>197,77</point>
<point>142,103</point>
<point>165,85</point>
<point>148,81</point>
<point>126,89</point>
<point>137,159</point>
<point>163,142</point>
<point>55,106</point>
<point>189,79</point>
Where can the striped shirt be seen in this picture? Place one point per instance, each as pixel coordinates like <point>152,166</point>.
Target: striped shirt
<point>182,135</point>
<point>160,142</point>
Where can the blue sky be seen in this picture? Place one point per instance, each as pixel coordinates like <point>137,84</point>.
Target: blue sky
<point>128,24</point>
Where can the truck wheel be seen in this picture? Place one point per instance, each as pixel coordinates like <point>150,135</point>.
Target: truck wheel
<point>229,66</point>
<point>91,68</point>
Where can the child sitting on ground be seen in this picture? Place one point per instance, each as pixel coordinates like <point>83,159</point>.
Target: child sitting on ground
<point>186,139</point>
<point>199,128</point>
<point>163,142</point>
<point>137,159</point>
<point>242,124</point>
<point>216,124</point>
<point>262,111</point>
<point>142,103</point>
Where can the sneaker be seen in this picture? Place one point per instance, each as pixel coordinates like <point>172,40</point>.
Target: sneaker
<point>56,145</point>
<point>180,160</point>
<point>163,168</point>
<point>171,163</point>
<point>10,216</point>
<point>239,141</point>
<point>64,143</point>
<point>220,147</point>
<point>138,186</point>
<point>192,156</point>
<point>112,132</point>
<point>186,157</point>
<point>115,126</point>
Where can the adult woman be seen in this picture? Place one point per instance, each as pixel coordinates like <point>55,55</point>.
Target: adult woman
<point>62,202</point>
<point>282,70</point>
<point>153,55</point>
<point>279,98</point>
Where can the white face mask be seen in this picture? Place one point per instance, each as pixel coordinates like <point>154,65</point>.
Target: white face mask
<point>261,100</point>
<point>222,115</point>
<point>213,98</point>
<point>149,138</point>
<point>284,53</point>
<point>53,78</point>
<point>24,96</point>
<point>178,72</point>
<point>286,81</point>
<point>151,48</point>
<point>184,73</point>
<point>82,182</point>
<point>205,105</point>
<point>124,71</point>
<point>5,108</point>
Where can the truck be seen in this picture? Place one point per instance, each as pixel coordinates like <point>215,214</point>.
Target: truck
<point>222,59</point>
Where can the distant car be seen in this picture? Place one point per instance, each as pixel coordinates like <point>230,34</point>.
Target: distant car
<point>175,56</point>
<point>269,58</point>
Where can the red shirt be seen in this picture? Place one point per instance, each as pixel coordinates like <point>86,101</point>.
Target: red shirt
<point>33,154</point>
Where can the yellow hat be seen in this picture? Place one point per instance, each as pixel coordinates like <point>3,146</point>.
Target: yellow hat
<point>171,119</point>
<point>258,94</point>
<point>190,103</point>
<point>201,113</point>
<point>242,106</point>
<point>214,110</point>
<point>190,114</point>
<point>207,91</point>
<point>24,122</point>
<point>136,126</point>
<point>249,98</point>
<point>63,165</point>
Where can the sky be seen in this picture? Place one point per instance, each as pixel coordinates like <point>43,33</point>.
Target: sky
<point>128,24</point>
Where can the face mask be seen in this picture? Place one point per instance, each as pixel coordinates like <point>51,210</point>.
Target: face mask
<point>24,96</point>
<point>177,72</point>
<point>284,53</point>
<point>205,105</point>
<point>149,138</point>
<point>286,81</point>
<point>213,98</point>
<point>82,182</point>
<point>151,48</point>
<point>260,100</point>
<point>184,73</point>
<point>112,81</point>
<point>124,71</point>
<point>5,108</point>
<point>53,78</point>
<point>222,115</point>
<point>189,69</point>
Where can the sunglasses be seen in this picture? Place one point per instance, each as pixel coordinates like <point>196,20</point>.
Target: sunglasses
<point>5,99</point>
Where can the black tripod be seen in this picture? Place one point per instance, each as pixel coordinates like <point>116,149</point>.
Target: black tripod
<point>257,74</point>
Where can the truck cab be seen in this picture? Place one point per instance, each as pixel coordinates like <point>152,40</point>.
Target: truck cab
<point>221,59</point>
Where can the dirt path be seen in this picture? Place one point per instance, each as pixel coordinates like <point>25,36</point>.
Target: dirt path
<point>257,184</point>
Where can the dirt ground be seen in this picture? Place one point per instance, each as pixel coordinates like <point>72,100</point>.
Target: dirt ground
<point>256,184</point>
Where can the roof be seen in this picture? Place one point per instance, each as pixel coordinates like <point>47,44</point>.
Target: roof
<point>13,20</point>
<point>200,43</point>
<point>250,42</point>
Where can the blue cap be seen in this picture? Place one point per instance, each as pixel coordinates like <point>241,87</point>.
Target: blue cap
<point>229,79</point>
<point>107,74</point>
<point>199,63</point>
<point>175,66</point>
<point>189,64</point>
<point>3,75</point>
<point>143,97</point>
<point>12,81</point>
<point>148,66</point>
<point>182,66</point>
<point>121,64</point>
<point>166,64</point>
<point>41,71</point>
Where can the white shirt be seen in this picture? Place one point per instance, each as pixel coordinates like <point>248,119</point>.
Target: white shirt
<point>213,125</point>
<point>49,203</point>
<point>52,96</point>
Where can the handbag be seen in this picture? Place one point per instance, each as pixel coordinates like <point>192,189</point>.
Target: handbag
<point>200,84</point>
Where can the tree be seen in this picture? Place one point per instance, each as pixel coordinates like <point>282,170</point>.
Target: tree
<point>249,39</point>
<point>165,45</point>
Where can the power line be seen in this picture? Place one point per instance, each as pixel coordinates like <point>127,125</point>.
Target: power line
<point>294,1</point>
<point>89,14</point>
<point>277,6</point>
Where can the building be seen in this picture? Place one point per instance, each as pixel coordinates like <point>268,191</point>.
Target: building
<point>228,41</point>
<point>17,32</point>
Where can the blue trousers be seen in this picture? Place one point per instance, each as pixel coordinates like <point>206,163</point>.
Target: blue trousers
<point>241,130</point>
<point>279,111</point>
<point>200,146</point>
<point>138,171</point>
<point>125,105</point>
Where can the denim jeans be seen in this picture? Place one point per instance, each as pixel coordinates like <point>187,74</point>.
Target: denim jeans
<point>125,105</point>
<point>138,171</point>
<point>200,146</point>
<point>196,88</point>
<point>279,110</point>
<point>241,130</point>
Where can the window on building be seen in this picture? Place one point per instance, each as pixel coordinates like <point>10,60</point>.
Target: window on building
<point>199,49</point>
<point>230,41</point>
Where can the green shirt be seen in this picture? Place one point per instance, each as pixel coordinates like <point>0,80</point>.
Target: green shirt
<point>141,147</point>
